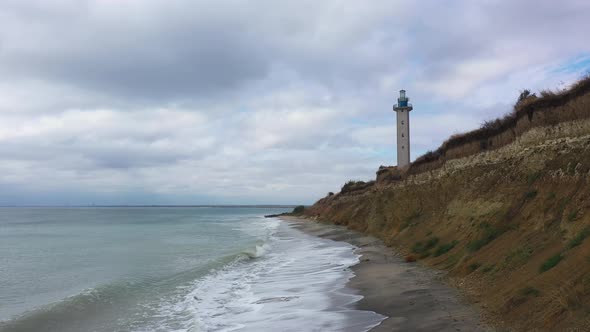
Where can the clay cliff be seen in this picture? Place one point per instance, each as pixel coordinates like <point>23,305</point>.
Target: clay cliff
<point>504,209</point>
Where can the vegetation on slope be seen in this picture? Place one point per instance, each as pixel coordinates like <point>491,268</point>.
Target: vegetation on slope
<point>511,227</point>
<point>527,107</point>
<point>351,186</point>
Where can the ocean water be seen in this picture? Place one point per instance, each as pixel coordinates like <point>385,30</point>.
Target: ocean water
<point>171,269</point>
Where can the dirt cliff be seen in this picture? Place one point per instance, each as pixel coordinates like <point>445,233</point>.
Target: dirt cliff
<point>510,224</point>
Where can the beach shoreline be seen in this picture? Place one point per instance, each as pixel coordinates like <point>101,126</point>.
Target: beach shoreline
<point>412,297</point>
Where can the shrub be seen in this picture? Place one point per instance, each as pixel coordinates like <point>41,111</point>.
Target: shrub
<point>428,157</point>
<point>530,195</point>
<point>424,247</point>
<point>474,266</point>
<point>564,202</point>
<point>550,263</point>
<point>548,94</point>
<point>418,247</point>
<point>531,178</point>
<point>475,245</point>
<point>432,243</point>
<point>415,215</point>
<point>452,260</point>
<point>530,291</point>
<point>489,234</point>
<point>488,268</point>
<point>444,248</point>
<point>572,215</point>
<point>526,106</point>
<point>524,95</point>
<point>298,209</point>
<point>351,186</point>
<point>425,255</point>
<point>579,238</point>
<point>517,257</point>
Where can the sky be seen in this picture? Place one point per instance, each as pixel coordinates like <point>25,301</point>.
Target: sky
<point>255,102</point>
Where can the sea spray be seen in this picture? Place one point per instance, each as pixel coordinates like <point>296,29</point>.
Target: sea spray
<point>173,269</point>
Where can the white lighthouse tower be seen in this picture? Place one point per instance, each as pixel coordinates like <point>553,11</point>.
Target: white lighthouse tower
<point>403,109</point>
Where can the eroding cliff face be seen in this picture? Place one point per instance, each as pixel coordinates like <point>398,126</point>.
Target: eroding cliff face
<point>510,225</point>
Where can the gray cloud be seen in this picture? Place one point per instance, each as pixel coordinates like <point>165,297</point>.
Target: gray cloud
<point>156,55</point>
<point>253,101</point>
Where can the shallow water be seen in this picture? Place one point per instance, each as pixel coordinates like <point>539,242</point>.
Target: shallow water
<point>171,269</point>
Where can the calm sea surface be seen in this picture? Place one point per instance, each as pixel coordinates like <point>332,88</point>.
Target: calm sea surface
<point>171,269</point>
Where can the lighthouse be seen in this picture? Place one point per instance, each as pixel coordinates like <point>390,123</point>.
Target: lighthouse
<point>403,108</point>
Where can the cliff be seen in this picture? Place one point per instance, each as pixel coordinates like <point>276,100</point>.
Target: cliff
<point>507,218</point>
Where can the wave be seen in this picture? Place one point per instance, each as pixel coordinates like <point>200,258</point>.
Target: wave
<point>284,281</point>
<point>94,306</point>
<point>72,313</point>
<point>258,251</point>
<point>293,282</point>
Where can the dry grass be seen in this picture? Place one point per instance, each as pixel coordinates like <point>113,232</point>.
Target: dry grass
<point>351,186</point>
<point>527,106</point>
<point>509,216</point>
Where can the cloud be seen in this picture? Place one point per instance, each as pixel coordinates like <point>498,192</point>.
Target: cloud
<point>254,101</point>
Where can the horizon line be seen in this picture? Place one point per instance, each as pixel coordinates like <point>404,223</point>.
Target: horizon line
<point>156,205</point>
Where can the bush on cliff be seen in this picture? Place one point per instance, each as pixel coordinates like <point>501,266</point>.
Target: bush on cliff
<point>524,96</point>
<point>423,247</point>
<point>444,248</point>
<point>351,186</point>
<point>578,239</point>
<point>526,106</point>
<point>530,291</point>
<point>551,262</point>
<point>489,234</point>
<point>298,210</point>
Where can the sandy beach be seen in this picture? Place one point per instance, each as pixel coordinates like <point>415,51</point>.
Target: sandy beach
<point>414,298</point>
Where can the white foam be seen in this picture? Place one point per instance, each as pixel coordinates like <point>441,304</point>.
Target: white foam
<point>296,283</point>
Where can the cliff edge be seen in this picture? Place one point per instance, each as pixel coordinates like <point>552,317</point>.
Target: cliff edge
<point>504,209</point>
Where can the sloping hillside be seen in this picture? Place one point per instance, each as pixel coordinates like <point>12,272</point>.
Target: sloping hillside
<point>509,222</point>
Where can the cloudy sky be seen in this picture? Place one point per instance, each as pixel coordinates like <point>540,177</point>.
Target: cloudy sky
<point>246,101</point>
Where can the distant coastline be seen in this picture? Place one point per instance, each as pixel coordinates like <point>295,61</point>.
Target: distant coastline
<point>264,206</point>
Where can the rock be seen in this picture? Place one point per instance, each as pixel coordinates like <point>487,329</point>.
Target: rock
<point>410,258</point>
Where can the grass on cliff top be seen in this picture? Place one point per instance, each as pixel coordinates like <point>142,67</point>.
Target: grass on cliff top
<point>526,105</point>
<point>352,185</point>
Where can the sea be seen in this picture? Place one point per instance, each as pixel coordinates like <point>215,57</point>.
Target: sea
<point>99,269</point>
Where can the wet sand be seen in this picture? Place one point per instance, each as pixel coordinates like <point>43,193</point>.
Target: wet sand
<point>414,298</point>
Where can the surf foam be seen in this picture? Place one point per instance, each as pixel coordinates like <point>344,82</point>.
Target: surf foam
<point>296,283</point>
